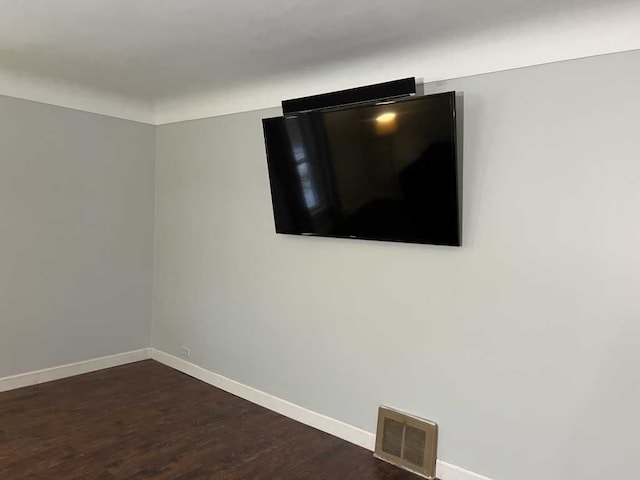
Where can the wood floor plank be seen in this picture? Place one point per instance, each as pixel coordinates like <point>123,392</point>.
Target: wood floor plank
<point>147,421</point>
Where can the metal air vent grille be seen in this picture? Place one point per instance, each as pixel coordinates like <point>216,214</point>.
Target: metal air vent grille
<point>407,441</point>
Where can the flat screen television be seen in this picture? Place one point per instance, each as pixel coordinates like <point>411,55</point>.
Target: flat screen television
<point>384,171</point>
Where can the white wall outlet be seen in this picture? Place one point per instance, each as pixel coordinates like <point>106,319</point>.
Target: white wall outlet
<point>185,352</point>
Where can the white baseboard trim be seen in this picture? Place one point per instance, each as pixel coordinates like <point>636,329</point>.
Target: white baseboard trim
<point>447,471</point>
<point>308,417</point>
<point>72,369</point>
<point>444,470</point>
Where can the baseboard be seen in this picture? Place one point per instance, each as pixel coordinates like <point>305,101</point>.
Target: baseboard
<point>72,369</point>
<point>355,435</point>
<point>447,471</point>
<point>313,419</point>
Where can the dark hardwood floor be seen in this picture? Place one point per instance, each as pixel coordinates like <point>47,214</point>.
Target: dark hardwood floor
<point>147,421</point>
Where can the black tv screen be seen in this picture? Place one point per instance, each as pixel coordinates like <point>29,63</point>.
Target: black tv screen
<point>379,172</point>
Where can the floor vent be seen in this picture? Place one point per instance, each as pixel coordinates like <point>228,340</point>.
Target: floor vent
<point>407,441</point>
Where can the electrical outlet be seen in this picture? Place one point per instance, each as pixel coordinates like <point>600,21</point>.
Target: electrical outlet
<point>185,352</point>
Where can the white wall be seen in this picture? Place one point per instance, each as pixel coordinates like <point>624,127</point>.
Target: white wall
<point>524,344</point>
<point>76,235</point>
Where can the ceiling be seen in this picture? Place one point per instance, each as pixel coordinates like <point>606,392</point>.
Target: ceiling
<point>153,53</point>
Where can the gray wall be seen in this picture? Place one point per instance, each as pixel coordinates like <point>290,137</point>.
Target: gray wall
<point>76,234</point>
<point>523,345</point>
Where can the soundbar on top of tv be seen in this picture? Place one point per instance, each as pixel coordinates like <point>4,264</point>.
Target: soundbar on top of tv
<point>351,96</point>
